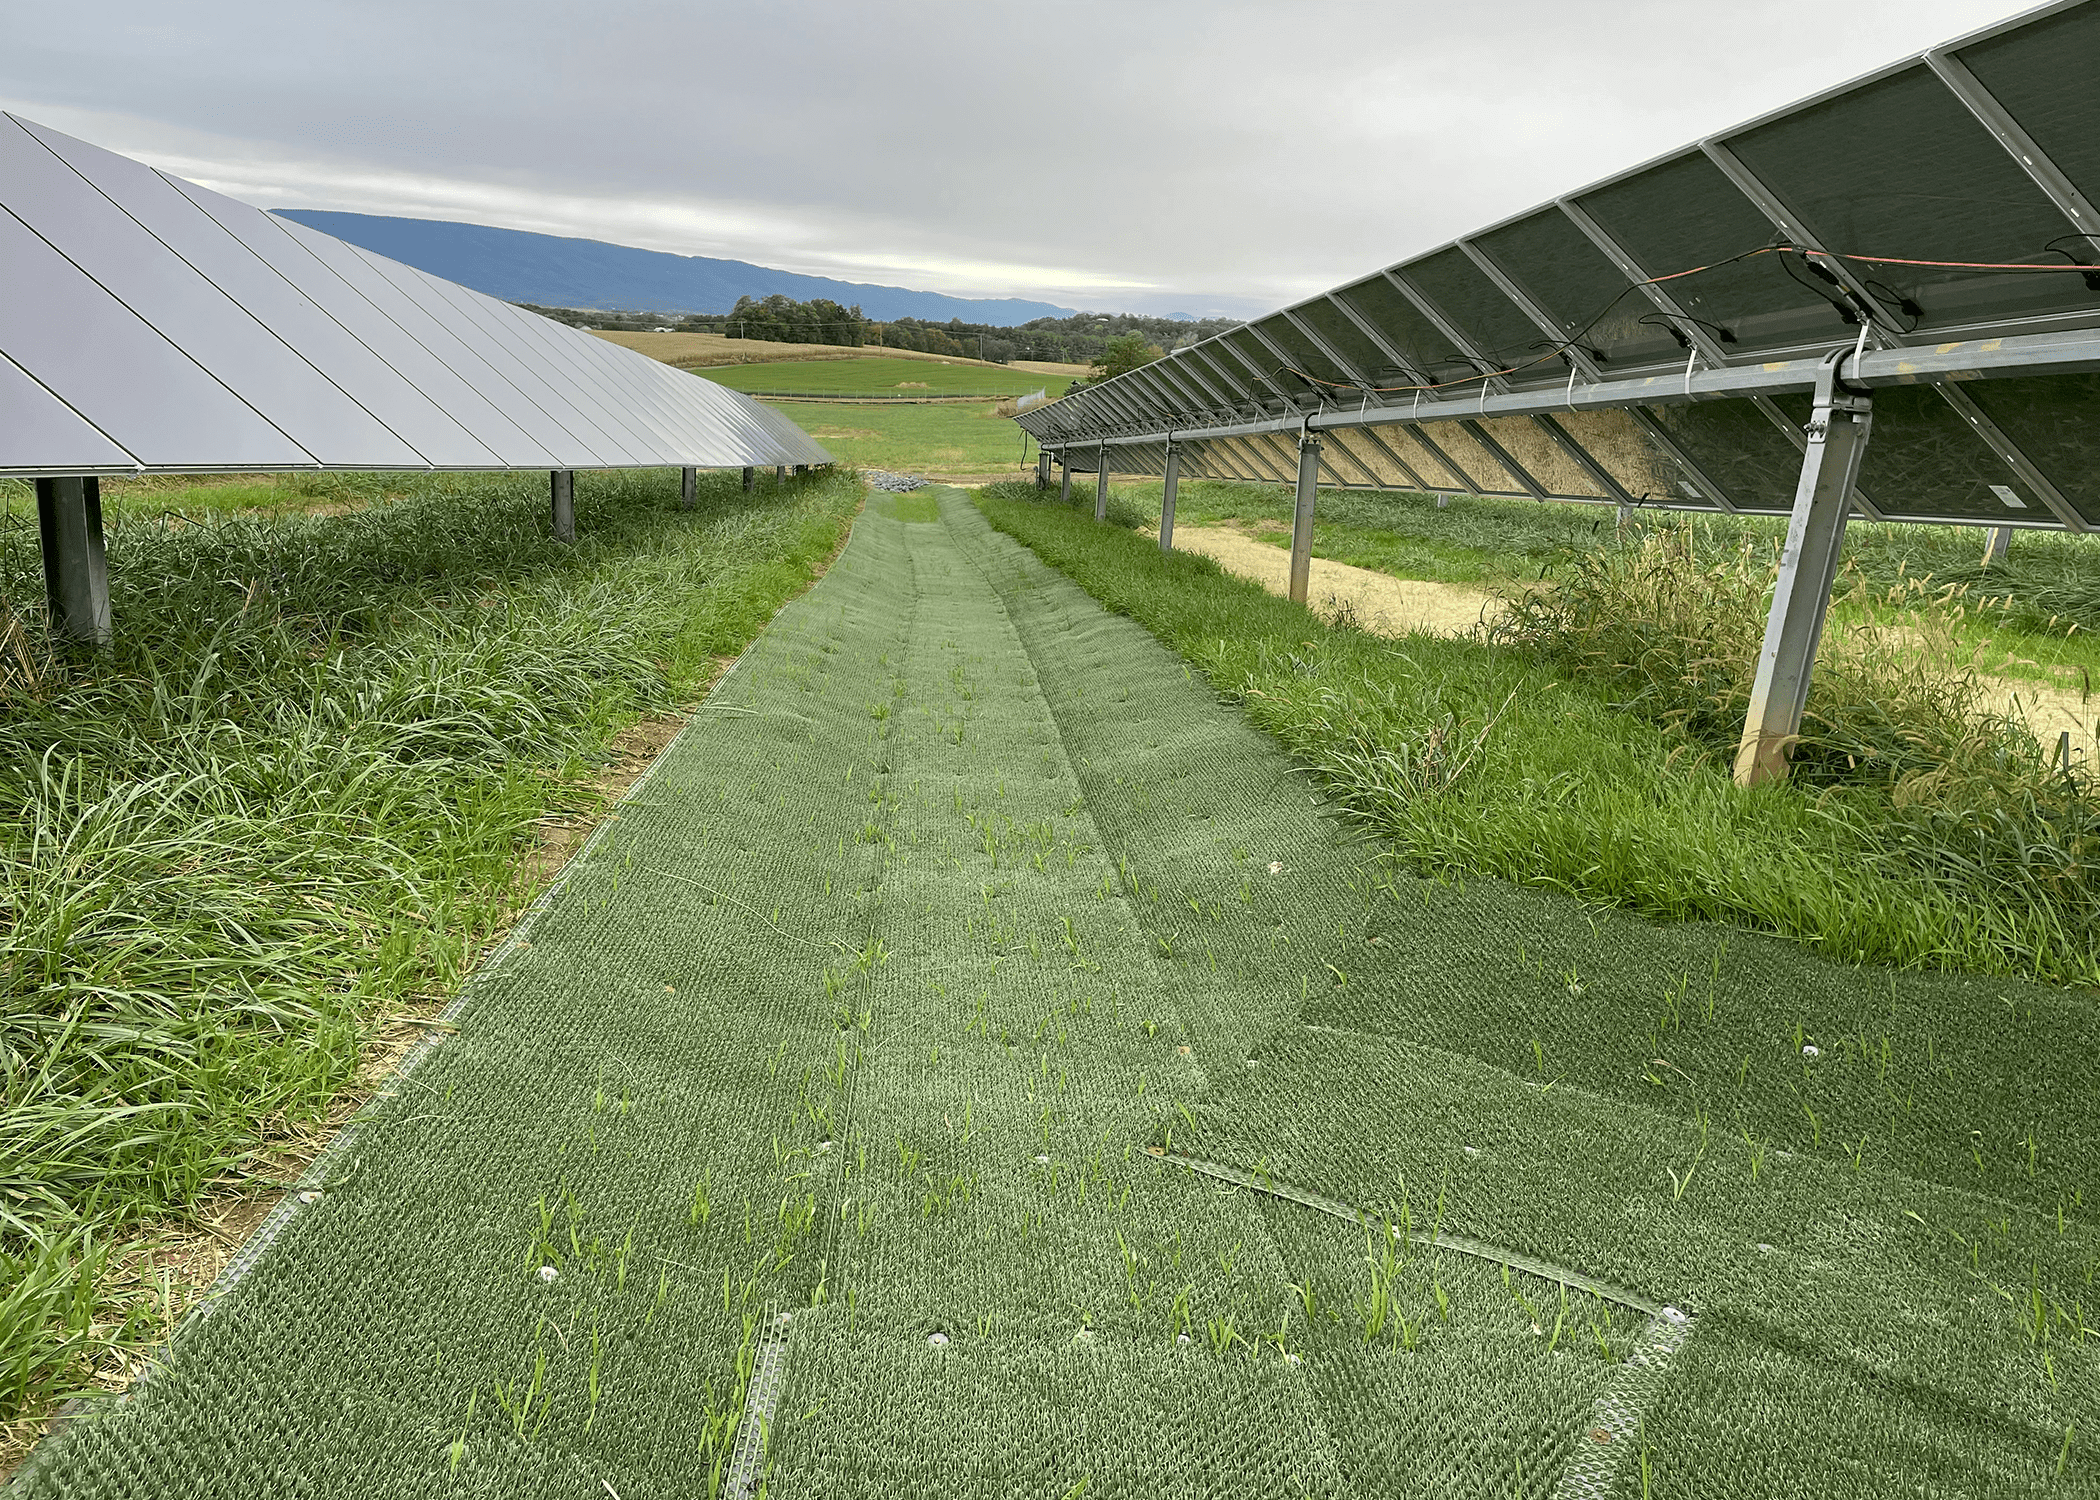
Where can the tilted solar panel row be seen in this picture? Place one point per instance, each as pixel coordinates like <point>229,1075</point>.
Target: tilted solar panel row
<point>153,325</point>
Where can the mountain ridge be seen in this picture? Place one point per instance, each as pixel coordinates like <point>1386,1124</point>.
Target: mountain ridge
<point>520,265</point>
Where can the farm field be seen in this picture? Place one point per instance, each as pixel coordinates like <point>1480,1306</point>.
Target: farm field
<point>902,378</point>
<point>706,350</point>
<point>1107,1116</point>
<point>961,442</point>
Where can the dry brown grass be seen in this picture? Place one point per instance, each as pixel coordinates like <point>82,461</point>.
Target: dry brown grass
<point>697,351</point>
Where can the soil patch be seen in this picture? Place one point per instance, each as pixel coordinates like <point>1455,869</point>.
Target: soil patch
<point>1378,602</point>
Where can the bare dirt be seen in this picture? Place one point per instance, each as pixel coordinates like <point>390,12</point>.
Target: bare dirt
<point>1376,601</point>
<point>1392,606</point>
<point>2051,712</point>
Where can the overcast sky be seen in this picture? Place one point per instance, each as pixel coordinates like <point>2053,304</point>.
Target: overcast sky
<point>1139,155</point>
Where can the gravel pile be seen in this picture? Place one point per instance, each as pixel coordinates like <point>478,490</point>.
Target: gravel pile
<point>896,484</point>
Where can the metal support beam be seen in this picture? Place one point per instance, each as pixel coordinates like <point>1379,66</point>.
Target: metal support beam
<point>1996,544</point>
<point>563,509</point>
<point>1837,441</point>
<point>1377,338</point>
<point>780,473</point>
<point>1166,499</point>
<point>2010,134</point>
<point>1101,485</point>
<point>1458,338</point>
<point>1370,475</point>
<point>1584,459</point>
<point>1042,468</point>
<point>750,480</point>
<point>1407,470</point>
<point>1302,518</point>
<point>1244,391</point>
<point>1064,482</point>
<point>1503,456</point>
<point>688,485</point>
<point>76,573</point>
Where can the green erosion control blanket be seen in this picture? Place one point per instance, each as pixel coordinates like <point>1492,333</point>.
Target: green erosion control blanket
<point>972,988</point>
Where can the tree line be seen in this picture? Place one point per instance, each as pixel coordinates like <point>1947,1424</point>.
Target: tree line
<point>1111,342</point>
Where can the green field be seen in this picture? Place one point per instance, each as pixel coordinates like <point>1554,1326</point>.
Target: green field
<point>949,440</point>
<point>876,376</point>
<point>1109,1118</point>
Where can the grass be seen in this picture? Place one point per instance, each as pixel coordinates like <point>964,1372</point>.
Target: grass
<point>1474,758</point>
<point>955,440</point>
<point>886,377</point>
<point>296,792</point>
<point>885,1003</point>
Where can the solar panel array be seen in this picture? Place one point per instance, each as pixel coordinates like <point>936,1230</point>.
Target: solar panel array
<point>1653,338</point>
<point>152,325</point>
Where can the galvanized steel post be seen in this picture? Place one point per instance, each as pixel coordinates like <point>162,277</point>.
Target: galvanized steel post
<point>1064,481</point>
<point>1996,544</point>
<point>1837,442</point>
<point>1042,468</point>
<point>750,479</point>
<point>1166,498</point>
<point>688,484</point>
<point>780,473</point>
<point>564,505</point>
<point>1101,483</point>
<point>76,572</point>
<point>1302,519</point>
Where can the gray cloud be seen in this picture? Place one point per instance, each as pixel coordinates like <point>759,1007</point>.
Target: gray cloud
<point>1149,155</point>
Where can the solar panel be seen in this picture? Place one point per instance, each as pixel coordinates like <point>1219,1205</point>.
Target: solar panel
<point>153,325</point>
<point>1911,257</point>
<point>1933,216</point>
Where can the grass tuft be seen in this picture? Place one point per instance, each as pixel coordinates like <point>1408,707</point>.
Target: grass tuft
<point>1562,787</point>
<point>295,792</point>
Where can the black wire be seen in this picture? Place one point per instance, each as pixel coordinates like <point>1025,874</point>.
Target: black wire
<point>1889,296</point>
<point>1838,302</point>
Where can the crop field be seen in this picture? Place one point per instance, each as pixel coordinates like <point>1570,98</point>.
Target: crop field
<point>694,351</point>
<point>991,1055</point>
<point>875,377</point>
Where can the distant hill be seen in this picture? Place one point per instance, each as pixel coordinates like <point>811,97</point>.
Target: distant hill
<point>519,266</point>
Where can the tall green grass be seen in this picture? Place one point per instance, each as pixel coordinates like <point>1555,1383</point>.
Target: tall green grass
<point>1514,759</point>
<point>295,791</point>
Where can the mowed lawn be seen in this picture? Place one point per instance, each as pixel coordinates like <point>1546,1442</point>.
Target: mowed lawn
<point>877,376</point>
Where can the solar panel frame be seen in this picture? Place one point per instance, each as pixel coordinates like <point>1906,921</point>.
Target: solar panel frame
<point>281,311</point>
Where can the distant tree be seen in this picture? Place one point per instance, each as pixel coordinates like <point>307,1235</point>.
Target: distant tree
<point>1124,353</point>
<point>784,320</point>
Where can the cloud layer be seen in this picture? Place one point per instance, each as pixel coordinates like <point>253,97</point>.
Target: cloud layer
<point>1164,156</point>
